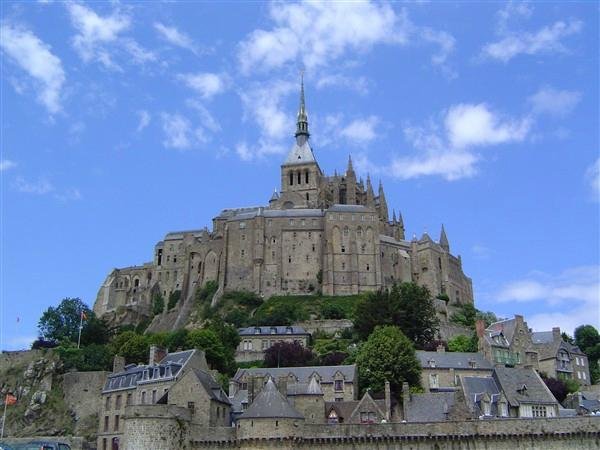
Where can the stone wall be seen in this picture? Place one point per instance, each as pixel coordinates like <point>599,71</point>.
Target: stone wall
<point>329,326</point>
<point>449,330</point>
<point>82,391</point>
<point>156,427</point>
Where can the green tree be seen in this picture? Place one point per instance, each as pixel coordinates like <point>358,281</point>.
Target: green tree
<point>134,347</point>
<point>278,314</point>
<point>173,299</point>
<point>217,355</point>
<point>406,305</point>
<point>462,343</point>
<point>158,304</point>
<point>95,331</point>
<point>565,337</point>
<point>387,355</point>
<point>62,323</point>
<point>332,311</point>
<point>466,316</point>
<point>588,341</point>
<point>90,358</point>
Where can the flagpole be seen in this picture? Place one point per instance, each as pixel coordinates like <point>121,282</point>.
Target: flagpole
<point>80,328</point>
<point>4,417</point>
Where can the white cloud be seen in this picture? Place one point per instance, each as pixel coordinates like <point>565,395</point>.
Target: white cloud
<point>206,118</point>
<point>205,83</point>
<point>511,12</point>
<point>6,164</point>
<point>357,84</point>
<point>481,252</point>
<point>451,165</point>
<point>361,131</point>
<point>318,32</point>
<point>546,40</point>
<point>144,120</point>
<point>446,43</point>
<point>592,175</point>
<point>554,102</point>
<point>69,194</point>
<point>39,187</point>
<point>35,58</point>
<point>100,37</point>
<point>175,37</point>
<point>180,133</point>
<point>577,290</point>
<point>471,125</point>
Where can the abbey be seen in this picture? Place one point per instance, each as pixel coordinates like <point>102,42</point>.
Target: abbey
<point>331,234</point>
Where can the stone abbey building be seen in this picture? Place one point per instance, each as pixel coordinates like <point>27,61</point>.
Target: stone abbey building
<point>318,233</point>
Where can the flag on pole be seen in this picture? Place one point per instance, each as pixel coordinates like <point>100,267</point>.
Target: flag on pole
<point>10,399</point>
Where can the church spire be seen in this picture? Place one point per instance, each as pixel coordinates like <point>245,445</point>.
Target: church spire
<point>383,209</point>
<point>302,133</point>
<point>370,195</point>
<point>350,168</point>
<point>444,239</point>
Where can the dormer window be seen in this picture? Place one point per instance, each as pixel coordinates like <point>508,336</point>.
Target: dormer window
<point>472,364</point>
<point>257,330</point>
<point>288,330</point>
<point>522,390</point>
<point>273,330</point>
<point>431,363</point>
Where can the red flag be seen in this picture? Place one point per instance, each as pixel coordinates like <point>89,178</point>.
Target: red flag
<point>83,316</point>
<point>10,399</point>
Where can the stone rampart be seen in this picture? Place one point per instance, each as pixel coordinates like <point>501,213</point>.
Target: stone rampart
<point>82,391</point>
<point>156,427</point>
<point>328,326</point>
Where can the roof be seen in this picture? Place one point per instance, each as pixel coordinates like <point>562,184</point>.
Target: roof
<point>429,407</point>
<point>513,380</point>
<point>547,345</point>
<point>507,327</point>
<point>542,337</point>
<point>169,367</point>
<point>475,388</point>
<point>300,154</point>
<point>211,386</point>
<point>302,374</point>
<point>276,330</point>
<point>270,403</point>
<point>454,360</point>
<point>348,208</point>
<point>261,211</point>
<point>311,388</point>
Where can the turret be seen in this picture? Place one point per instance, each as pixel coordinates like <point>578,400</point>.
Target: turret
<point>383,209</point>
<point>444,240</point>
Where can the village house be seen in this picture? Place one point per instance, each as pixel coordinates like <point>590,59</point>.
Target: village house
<point>255,341</point>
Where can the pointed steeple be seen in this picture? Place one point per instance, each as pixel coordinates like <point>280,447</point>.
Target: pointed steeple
<point>370,195</point>
<point>444,239</point>
<point>400,221</point>
<point>383,209</point>
<point>350,168</point>
<point>302,133</point>
<point>394,216</point>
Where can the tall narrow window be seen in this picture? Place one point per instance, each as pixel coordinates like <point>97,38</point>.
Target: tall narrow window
<point>299,178</point>
<point>307,196</point>
<point>306,177</point>
<point>291,180</point>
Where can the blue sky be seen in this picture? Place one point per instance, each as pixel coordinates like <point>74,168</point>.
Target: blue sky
<point>123,121</point>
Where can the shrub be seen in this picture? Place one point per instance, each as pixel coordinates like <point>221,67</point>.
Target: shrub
<point>158,304</point>
<point>332,311</point>
<point>288,354</point>
<point>174,298</point>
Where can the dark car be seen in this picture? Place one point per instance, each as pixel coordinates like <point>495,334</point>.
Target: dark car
<point>41,445</point>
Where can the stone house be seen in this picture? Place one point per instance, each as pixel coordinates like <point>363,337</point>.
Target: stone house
<point>442,371</point>
<point>560,359</point>
<point>484,398</point>
<point>507,343</point>
<point>337,383</point>
<point>140,385</point>
<point>318,232</point>
<point>256,340</point>
<point>367,410</point>
<point>584,403</point>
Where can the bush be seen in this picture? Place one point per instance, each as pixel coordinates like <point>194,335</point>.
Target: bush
<point>174,298</point>
<point>158,304</point>
<point>288,354</point>
<point>244,298</point>
<point>207,291</point>
<point>334,359</point>
<point>332,311</point>
<point>91,358</point>
<point>462,343</point>
<point>280,313</point>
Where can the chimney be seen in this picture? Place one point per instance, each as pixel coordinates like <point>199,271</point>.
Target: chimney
<point>156,354</point>
<point>480,328</point>
<point>282,386</point>
<point>556,334</point>
<point>118,364</point>
<point>233,388</point>
<point>441,348</point>
<point>388,401</point>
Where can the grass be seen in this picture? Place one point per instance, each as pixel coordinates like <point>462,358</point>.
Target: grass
<point>310,306</point>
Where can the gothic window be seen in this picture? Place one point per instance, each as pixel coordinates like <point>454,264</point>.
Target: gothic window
<point>274,239</point>
<point>136,282</point>
<point>289,258</point>
<point>175,258</point>
<point>313,247</point>
<point>299,178</point>
<point>346,231</point>
<point>306,180</point>
<point>291,178</point>
<point>359,231</point>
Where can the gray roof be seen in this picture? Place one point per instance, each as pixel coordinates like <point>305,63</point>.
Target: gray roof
<point>454,360</point>
<point>542,337</point>
<point>275,330</point>
<point>262,211</point>
<point>300,154</point>
<point>211,386</point>
<point>169,367</point>
<point>302,374</point>
<point>270,403</point>
<point>430,407</point>
<point>512,381</point>
<point>311,388</point>
<point>475,388</point>
<point>349,208</point>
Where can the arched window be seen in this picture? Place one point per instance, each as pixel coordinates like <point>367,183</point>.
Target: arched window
<point>136,282</point>
<point>346,231</point>
<point>359,231</point>
<point>291,178</point>
<point>299,178</point>
<point>306,177</point>
<point>307,197</point>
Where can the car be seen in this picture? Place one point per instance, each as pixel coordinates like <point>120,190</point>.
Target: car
<point>41,445</point>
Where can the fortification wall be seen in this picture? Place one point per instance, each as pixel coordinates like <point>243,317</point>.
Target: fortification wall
<point>82,391</point>
<point>329,326</point>
<point>156,427</point>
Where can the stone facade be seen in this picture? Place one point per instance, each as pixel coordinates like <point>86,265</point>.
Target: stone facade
<point>256,340</point>
<point>443,370</point>
<point>319,233</point>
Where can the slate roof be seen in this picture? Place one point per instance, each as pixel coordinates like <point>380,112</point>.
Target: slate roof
<point>310,388</point>
<point>269,403</point>
<point>303,374</point>
<point>211,386</point>
<point>345,409</point>
<point>300,154</point>
<point>429,407</point>
<point>475,388</point>
<point>270,331</point>
<point>169,367</point>
<point>547,347</point>
<point>453,360</point>
<point>512,380</point>
<point>507,327</point>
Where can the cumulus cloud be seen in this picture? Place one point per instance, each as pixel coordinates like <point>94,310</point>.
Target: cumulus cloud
<point>357,84</point>
<point>175,37</point>
<point>592,175</point>
<point>39,187</point>
<point>361,131</point>
<point>546,40</point>
<point>205,83</point>
<point>448,150</point>
<point>99,37</point>
<point>144,120</point>
<point>6,164</point>
<point>34,56</point>
<point>180,133</point>
<point>548,100</point>
<point>576,288</point>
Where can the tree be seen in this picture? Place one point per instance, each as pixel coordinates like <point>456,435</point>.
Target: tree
<point>158,304</point>
<point>217,355</point>
<point>462,343</point>
<point>95,331</point>
<point>588,341</point>
<point>388,355</point>
<point>557,387</point>
<point>333,359</point>
<point>173,299</point>
<point>288,354</point>
<point>132,346</point>
<point>284,313</point>
<point>406,305</point>
<point>465,316</point>
<point>332,311</point>
<point>565,337</point>
<point>62,323</point>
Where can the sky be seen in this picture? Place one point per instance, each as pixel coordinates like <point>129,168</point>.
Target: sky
<point>124,121</point>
